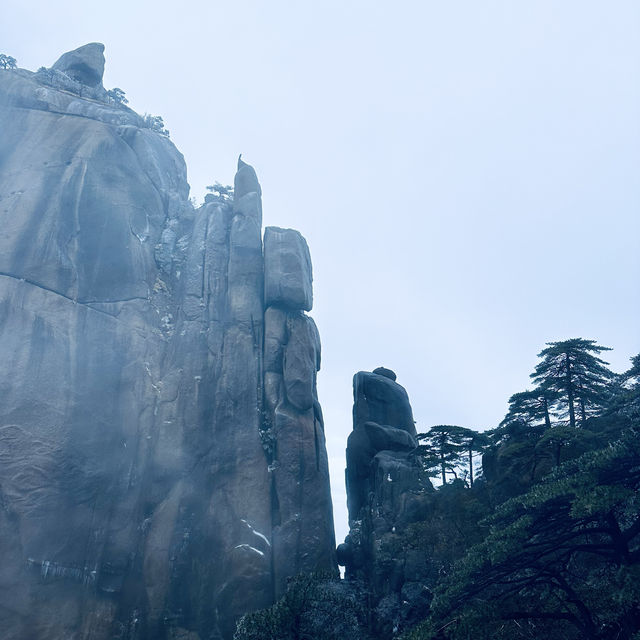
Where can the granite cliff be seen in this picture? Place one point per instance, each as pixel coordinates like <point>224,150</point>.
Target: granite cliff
<point>162,459</point>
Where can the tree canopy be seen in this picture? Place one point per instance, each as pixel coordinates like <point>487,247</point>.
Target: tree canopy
<point>7,62</point>
<point>572,371</point>
<point>117,96</point>
<point>567,552</point>
<point>546,545</point>
<point>316,606</point>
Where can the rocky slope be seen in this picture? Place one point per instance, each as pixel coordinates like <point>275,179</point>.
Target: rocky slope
<point>162,457</point>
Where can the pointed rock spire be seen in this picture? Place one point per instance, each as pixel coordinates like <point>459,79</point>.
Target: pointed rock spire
<point>246,180</point>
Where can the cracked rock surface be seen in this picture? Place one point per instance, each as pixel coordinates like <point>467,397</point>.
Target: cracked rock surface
<point>162,459</point>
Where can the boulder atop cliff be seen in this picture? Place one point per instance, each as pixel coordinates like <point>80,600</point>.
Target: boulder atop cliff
<point>378,398</point>
<point>84,64</point>
<point>387,373</point>
<point>287,263</point>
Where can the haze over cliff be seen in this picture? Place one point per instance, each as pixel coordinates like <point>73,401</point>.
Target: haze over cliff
<point>162,451</point>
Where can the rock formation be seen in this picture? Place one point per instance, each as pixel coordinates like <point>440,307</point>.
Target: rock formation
<point>162,459</point>
<point>387,490</point>
<point>84,64</point>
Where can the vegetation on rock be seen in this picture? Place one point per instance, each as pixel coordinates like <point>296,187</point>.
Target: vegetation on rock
<point>117,96</point>
<point>316,606</point>
<point>545,542</point>
<point>7,62</point>
<point>155,123</point>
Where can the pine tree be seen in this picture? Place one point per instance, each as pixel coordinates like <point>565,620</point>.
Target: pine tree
<point>7,62</point>
<point>572,370</point>
<point>117,96</point>
<point>473,442</point>
<point>443,447</point>
<point>531,407</point>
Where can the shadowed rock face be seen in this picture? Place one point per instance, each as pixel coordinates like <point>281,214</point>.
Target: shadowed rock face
<point>162,458</point>
<point>387,489</point>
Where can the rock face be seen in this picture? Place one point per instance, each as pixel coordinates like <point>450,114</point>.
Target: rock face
<point>288,269</point>
<point>162,458</point>
<point>387,490</point>
<point>84,64</point>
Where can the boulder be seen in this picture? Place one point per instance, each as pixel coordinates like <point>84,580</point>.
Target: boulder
<point>387,373</point>
<point>384,437</point>
<point>84,64</point>
<point>287,263</point>
<point>377,398</point>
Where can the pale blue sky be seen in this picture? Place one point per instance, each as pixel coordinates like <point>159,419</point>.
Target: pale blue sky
<point>466,173</point>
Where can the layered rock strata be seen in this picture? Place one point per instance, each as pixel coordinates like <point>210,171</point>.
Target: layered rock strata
<point>387,490</point>
<point>162,459</point>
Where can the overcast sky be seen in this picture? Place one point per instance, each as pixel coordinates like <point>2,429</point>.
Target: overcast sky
<point>466,173</point>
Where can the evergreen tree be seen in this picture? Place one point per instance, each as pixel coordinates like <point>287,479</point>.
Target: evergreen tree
<point>315,606</point>
<point>561,561</point>
<point>572,370</point>
<point>117,96</point>
<point>624,404</point>
<point>221,192</point>
<point>444,444</point>
<point>7,62</point>
<point>531,407</point>
<point>475,442</point>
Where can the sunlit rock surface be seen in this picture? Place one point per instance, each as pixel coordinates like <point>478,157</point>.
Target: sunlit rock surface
<point>162,458</point>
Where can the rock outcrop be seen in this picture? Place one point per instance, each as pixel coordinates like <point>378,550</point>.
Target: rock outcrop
<point>84,64</point>
<point>387,490</point>
<point>162,459</point>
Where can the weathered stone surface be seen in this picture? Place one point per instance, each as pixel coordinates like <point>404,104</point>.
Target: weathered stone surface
<point>288,274</point>
<point>377,398</point>
<point>303,497</point>
<point>301,360</point>
<point>275,338</point>
<point>155,479</point>
<point>296,445</point>
<point>384,437</point>
<point>84,64</point>
<point>387,490</point>
<point>387,373</point>
<point>245,181</point>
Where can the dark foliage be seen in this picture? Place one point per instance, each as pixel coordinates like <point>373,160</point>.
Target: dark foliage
<point>117,96</point>
<point>155,123</point>
<point>545,544</point>
<point>562,560</point>
<point>7,62</point>
<point>316,606</point>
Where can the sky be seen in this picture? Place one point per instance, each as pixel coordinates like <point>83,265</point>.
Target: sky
<point>466,173</point>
